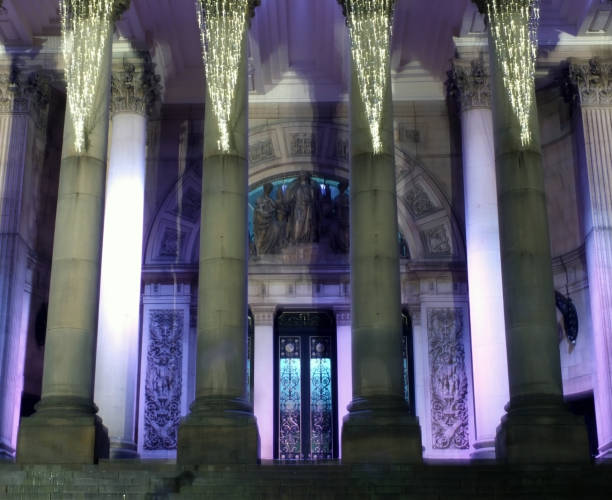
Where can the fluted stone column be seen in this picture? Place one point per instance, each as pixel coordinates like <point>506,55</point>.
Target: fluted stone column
<point>594,82</point>
<point>487,328</point>
<point>65,427</point>
<point>378,427</point>
<point>221,427</point>
<point>537,426</point>
<point>23,121</point>
<point>133,93</point>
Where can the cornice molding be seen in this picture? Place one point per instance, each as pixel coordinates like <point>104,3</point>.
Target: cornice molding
<point>592,81</point>
<point>469,83</point>
<point>135,87</point>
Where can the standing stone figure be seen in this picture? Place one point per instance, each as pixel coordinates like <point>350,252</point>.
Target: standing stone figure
<point>302,197</point>
<point>340,236</point>
<point>266,224</point>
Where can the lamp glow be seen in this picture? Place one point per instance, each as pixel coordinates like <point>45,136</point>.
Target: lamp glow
<point>514,30</point>
<point>86,26</point>
<point>369,23</point>
<point>222,26</point>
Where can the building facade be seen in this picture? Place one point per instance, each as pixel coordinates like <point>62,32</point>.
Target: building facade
<point>294,298</point>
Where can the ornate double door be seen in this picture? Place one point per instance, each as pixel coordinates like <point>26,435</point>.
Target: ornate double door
<point>306,413</point>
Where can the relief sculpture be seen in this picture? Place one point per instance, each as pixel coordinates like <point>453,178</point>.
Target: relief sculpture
<point>163,380</point>
<point>300,214</point>
<point>449,385</point>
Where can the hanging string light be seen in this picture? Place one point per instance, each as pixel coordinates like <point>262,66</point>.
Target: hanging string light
<point>86,26</point>
<point>222,25</point>
<point>369,23</point>
<point>514,29</point>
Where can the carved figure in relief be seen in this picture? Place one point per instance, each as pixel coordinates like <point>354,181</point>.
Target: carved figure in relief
<point>302,198</point>
<point>340,234</point>
<point>267,223</point>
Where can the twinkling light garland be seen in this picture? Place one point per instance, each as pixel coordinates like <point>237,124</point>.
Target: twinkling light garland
<point>222,25</point>
<point>369,23</point>
<point>514,29</point>
<point>86,26</point>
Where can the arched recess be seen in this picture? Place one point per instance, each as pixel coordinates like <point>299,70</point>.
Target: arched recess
<point>425,216</point>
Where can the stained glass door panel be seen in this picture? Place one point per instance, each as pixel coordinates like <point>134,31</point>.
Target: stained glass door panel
<point>306,417</point>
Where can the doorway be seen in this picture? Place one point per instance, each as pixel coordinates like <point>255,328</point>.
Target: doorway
<point>305,387</point>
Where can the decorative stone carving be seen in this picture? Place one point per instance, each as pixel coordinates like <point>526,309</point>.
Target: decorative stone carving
<point>303,144</point>
<point>470,84</point>
<point>261,151</point>
<point>407,134</point>
<point>418,202</point>
<point>267,225</point>
<point>438,241</point>
<point>22,92</point>
<point>135,88</point>
<point>593,81</point>
<point>163,381</point>
<point>172,243</point>
<point>189,206</point>
<point>449,384</point>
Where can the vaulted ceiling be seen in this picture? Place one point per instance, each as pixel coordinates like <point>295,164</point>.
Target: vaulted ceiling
<point>299,48</point>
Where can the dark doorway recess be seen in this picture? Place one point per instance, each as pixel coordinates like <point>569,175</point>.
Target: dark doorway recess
<point>305,385</point>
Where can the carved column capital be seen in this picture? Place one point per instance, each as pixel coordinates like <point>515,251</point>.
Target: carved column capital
<point>592,81</point>
<point>135,87</point>
<point>263,315</point>
<point>25,92</point>
<point>470,84</point>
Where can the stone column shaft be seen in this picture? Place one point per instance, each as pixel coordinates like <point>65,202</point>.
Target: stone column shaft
<point>118,319</point>
<point>221,427</point>
<point>489,364</point>
<point>537,427</point>
<point>379,427</point>
<point>20,113</point>
<point>592,80</point>
<point>65,428</point>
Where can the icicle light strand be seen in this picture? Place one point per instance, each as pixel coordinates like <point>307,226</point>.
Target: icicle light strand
<point>369,24</point>
<point>222,25</point>
<point>86,26</point>
<point>514,29</point>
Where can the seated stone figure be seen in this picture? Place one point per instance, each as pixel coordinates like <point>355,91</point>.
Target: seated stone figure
<point>266,224</point>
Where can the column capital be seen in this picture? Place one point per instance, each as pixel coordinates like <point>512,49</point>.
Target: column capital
<point>263,315</point>
<point>25,92</point>
<point>343,315</point>
<point>135,87</point>
<point>469,82</point>
<point>592,81</point>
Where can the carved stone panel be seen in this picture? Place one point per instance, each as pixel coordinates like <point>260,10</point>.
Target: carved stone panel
<point>303,144</point>
<point>449,383</point>
<point>163,382</point>
<point>172,243</point>
<point>438,241</point>
<point>418,202</point>
<point>261,151</point>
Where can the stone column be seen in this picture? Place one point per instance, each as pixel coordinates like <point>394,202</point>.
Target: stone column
<point>65,427</point>
<point>379,427</point>
<point>221,427</point>
<point>263,363</point>
<point>23,120</point>
<point>594,83</point>
<point>133,88</point>
<point>537,426</point>
<point>343,349</point>
<point>487,332</point>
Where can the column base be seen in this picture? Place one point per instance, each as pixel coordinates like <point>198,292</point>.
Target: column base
<point>539,429</point>
<point>605,453</point>
<point>380,430</point>
<point>122,450</point>
<point>218,431</point>
<point>62,431</point>
<point>7,453</point>
<point>483,450</point>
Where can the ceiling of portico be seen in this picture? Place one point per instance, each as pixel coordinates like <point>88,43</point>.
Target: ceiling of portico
<point>299,48</point>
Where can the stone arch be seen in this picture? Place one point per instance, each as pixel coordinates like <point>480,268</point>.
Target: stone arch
<point>425,215</point>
